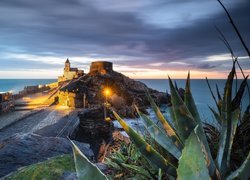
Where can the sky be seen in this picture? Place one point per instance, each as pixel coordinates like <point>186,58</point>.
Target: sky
<point>145,39</point>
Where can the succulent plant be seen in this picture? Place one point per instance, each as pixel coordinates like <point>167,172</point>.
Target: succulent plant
<point>184,141</point>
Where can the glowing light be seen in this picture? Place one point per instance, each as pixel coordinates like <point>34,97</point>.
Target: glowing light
<point>107,91</point>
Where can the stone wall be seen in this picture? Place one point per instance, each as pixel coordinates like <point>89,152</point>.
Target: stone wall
<point>70,99</point>
<point>52,85</point>
<point>101,67</point>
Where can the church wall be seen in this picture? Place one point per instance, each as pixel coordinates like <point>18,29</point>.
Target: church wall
<point>70,74</point>
<point>70,99</point>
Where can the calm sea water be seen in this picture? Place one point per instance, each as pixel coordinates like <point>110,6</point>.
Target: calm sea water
<point>199,89</point>
<point>15,85</point>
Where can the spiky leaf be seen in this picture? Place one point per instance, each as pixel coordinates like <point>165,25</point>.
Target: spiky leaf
<point>235,120</point>
<point>160,137</point>
<point>192,164</point>
<point>237,99</point>
<point>137,169</point>
<point>246,115</point>
<point>216,115</point>
<point>189,101</point>
<point>243,171</point>
<point>226,116</point>
<point>166,123</point>
<point>199,131</point>
<point>219,103</point>
<point>185,122</point>
<point>146,149</point>
<point>84,168</point>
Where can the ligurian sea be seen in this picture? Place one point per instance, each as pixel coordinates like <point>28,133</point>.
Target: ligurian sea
<point>199,89</point>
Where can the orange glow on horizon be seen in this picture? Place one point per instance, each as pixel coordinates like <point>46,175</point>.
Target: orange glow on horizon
<point>178,74</point>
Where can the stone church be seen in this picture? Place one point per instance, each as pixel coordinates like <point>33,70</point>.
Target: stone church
<point>70,73</point>
<point>75,93</point>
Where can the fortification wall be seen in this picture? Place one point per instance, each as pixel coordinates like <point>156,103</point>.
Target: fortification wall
<point>101,67</point>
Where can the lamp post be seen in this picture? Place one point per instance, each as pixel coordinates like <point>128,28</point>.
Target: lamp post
<point>106,93</point>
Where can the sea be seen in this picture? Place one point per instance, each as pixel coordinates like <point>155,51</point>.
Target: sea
<point>199,87</point>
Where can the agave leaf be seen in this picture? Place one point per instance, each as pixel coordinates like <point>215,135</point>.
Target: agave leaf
<point>147,150</point>
<point>84,168</point>
<point>199,131</point>
<point>216,115</point>
<point>237,99</point>
<point>110,162</point>
<point>218,93</point>
<point>226,116</point>
<point>243,171</point>
<point>160,137</point>
<point>213,96</point>
<point>235,120</point>
<point>189,101</point>
<point>192,164</point>
<point>176,86</point>
<point>219,99</point>
<point>246,115</point>
<point>137,169</point>
<point>171,112</point>
<point>159,174</point>
<point>117,159</point>
<point>185,122</point>
<point>166,124</point>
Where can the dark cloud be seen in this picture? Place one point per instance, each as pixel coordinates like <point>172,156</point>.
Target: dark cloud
<point>107,29</point>
<point>206,66</point>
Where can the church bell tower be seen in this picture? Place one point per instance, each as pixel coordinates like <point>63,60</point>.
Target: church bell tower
<point>67,65</point>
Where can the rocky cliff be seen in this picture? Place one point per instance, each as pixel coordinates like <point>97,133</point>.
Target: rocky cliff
<point>124,92</point>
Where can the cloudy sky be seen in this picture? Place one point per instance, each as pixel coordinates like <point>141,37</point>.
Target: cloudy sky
<point>143,38</point>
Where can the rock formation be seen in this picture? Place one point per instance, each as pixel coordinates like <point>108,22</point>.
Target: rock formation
<point>124,92</point>
<point>22,150</point>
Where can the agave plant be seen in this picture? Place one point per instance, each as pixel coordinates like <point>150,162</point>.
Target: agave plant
<point>186,150</point>
<point>85,169</point>
<point>128,162</point>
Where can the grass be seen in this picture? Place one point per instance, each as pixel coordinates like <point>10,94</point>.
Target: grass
<point>51,169</point>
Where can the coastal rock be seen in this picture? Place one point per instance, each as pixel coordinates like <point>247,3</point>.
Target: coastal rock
<point>125,92</point>
<point>93,129</point>
<point>24,149</point>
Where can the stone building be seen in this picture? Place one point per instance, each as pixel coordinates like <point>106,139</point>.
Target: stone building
<point>70,73</point>
<point>101,67</point>
<point>73,95</point>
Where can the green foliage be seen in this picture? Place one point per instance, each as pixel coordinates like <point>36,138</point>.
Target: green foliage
<point>243,171</point>
<point>50,169</point>
<point>160,137</point>
<point>84,168</point>
<point>196,161</point>
<point>129,163</point>
<point>147,150</point>
<point>184,121</point>
<point>170,131</point>
<point>190,166</point>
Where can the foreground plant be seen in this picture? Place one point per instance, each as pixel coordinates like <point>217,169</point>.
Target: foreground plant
<point>85,170</point>
<point>186,150</point>
<point>128,162</point>
<point>180,149</point>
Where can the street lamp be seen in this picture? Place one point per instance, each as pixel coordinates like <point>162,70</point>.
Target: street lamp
<point>107,92</point>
